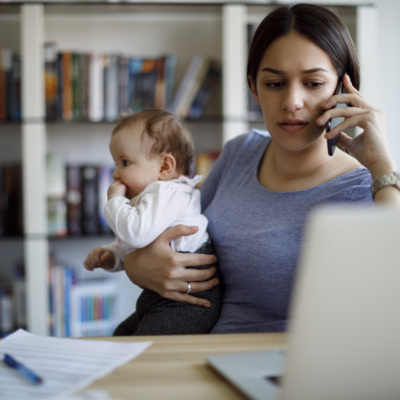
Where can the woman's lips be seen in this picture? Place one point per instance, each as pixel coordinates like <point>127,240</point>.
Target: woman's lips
<point>292,125</point>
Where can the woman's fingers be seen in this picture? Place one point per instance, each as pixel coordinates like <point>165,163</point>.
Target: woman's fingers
<point>196,259</point>
<point>187,298</point>
<point>177,231</point>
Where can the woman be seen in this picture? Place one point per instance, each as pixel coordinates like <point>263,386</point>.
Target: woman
<point>264,185</point>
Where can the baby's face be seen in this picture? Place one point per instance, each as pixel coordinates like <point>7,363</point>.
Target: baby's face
<point>134,166</point>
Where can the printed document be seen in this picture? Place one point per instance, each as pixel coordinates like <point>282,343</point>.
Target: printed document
<point>65,365</point>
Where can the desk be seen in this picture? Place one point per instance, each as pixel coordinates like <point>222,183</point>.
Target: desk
<point>175,367</point>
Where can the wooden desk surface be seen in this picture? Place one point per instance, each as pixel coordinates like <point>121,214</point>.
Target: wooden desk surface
<point>175,367</point>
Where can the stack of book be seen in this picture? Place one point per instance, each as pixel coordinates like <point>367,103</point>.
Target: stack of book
<point>81,308</point>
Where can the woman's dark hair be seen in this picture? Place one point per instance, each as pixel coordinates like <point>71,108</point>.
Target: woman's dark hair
<point>318,24</point>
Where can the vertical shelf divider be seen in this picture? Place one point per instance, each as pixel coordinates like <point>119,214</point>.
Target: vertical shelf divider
<point>234,89</point>
<point>34,169</point>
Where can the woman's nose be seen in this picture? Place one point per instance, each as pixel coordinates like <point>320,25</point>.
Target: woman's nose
<point>293,99</point>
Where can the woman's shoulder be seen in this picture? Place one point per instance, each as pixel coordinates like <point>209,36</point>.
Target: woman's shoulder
<point>248,141</point>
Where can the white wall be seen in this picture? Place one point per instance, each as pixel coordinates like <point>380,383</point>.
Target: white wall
<point>388,70</point>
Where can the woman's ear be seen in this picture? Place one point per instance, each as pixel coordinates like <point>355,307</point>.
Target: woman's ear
<point>168,167</point>
<point>253,90</point>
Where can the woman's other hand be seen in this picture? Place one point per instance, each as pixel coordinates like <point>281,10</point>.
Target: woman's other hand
<point>156,267</point>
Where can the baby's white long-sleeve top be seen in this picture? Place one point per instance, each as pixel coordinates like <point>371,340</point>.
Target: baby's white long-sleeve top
<point>137,222</point>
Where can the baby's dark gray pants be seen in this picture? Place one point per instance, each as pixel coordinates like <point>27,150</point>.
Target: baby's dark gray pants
<point>156,315</point>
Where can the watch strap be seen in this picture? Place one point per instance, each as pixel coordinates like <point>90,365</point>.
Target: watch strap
<point>391,179</point>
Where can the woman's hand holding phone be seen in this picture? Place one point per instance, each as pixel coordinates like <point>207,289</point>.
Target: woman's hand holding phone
<point>370,147</point>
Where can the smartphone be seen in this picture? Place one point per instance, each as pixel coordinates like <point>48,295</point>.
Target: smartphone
<point>335,122</point>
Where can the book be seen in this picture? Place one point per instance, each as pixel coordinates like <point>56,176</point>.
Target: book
<point>78,86</point>
<point>6,318</point>
<point>186,84</point>
<point>170,67</point>
<point>92,308</point>
<point>74,200</point>
<point>124,85</point>
<point>11,189</point>
<point>160,89</point>
<point>14,95</point>
<point>56,217</point>
<point>5,78</point>
<point>19,297</point>
<point>135,68</point>
<point>206,90</point>
<point>111,87</point>
<point>90,199</point>
<point>59,107</point>
<point>50,80</point>
<point>195,87</point>
<point>56,192</point>
<point>67,94</point>
<point>200,79</point>
<point>146,84</point>
<point>96,87</point>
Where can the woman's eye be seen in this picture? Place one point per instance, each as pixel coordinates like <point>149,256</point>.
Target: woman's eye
<point>274,85</point>
<point>314,84</point>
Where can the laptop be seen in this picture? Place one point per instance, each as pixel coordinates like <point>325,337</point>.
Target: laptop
<point>344,334</point>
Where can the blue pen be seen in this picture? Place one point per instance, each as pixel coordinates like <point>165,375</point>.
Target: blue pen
<point>20,368</point>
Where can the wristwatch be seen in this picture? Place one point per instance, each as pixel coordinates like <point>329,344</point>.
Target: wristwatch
<point>392,179</point>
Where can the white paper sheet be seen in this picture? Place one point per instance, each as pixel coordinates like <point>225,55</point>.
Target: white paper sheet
<point>65,365</point>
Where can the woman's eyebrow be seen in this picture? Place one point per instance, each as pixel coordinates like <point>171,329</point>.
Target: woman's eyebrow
<point>305,71</point>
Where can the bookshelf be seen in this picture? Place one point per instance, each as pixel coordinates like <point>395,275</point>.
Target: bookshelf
<point>217,29</point>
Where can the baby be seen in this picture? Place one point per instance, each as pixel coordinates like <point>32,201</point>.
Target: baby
<point>153,155</point>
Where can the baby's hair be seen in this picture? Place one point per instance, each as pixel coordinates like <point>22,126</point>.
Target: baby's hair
<point>169,135</point>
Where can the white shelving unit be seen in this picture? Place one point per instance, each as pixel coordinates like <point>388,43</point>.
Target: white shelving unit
<point>214,28</point>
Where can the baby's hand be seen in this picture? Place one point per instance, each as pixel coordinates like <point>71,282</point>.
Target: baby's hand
<point>99,258</point>
<point>117,188</point>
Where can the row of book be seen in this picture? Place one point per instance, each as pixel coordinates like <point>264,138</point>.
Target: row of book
<point>106,86</point>
<point>10,85</point>
<point>81,308</point>
<point>76,196</point>
<point>78,308</point>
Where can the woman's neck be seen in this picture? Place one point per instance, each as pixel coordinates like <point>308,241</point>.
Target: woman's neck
<point>282,171</point>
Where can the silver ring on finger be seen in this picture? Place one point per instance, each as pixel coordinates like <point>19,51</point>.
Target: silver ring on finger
<point>189,288</point>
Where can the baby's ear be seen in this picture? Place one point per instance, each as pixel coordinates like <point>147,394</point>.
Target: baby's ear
<point>168,165</point>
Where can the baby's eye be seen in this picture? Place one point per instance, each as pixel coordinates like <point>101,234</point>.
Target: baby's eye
<point>125,163</point>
